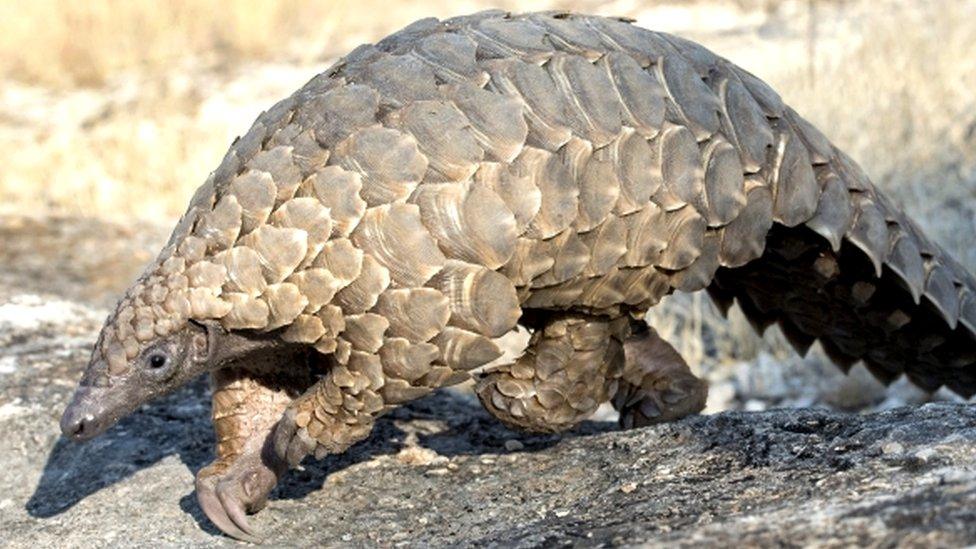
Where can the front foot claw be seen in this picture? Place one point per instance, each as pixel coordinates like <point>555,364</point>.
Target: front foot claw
<point>291,442</point>
<point>228,492</point>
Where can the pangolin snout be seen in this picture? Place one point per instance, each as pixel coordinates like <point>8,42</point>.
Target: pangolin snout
<point>79,422</point>
<point>77,427</point>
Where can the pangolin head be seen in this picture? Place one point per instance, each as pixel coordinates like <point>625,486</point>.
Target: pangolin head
<point>249,257</point>
<point>149,346</point>
<point>160,335</point>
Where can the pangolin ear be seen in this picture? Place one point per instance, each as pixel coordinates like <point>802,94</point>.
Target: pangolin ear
<point>201,343</point>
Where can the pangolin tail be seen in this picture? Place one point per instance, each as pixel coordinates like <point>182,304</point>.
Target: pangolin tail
<point>886,296</point>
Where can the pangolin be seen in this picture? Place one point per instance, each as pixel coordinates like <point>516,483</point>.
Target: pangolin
<point>371,236</point>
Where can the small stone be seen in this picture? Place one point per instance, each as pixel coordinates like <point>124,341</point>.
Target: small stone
<point>415,455</point>
<point>513,445</point>
<point>629,487</point>
<point>926,454</point>
<point>561,512</point>
<point>892,448</point>
<point>439,472</point>
<point>422,520</point>
<point>754,405</point>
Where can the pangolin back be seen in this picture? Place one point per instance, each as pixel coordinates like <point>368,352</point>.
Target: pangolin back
<point>410,202</point>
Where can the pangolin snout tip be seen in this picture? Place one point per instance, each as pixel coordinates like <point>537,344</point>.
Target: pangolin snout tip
<point>78,422</point>
<point>78,427</point>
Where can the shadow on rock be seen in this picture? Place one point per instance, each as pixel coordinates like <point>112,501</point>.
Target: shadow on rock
<point>465,429</point>
<point>179,424</point>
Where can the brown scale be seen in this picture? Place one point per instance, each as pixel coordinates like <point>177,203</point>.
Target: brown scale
<point>248,400</point>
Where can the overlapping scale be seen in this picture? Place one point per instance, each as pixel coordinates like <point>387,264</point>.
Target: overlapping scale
<point>415,314</point>
<point>389,162</point>
<point>481,300</point>
<point>394,235</point>
<point>470,222</point>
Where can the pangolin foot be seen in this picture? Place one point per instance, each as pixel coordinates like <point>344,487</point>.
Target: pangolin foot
<point>227,492</point>
<point>660,399</point>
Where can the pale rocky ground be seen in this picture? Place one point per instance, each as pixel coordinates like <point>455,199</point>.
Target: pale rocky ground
<point>441,471</point>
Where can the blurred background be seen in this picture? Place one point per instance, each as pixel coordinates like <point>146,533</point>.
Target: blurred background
<point>113,111</point>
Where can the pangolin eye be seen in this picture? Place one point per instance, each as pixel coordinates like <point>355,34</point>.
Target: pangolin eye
<point>156,360</point>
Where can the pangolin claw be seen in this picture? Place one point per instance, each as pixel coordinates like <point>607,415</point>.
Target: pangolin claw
<point>234,508</point>
<point>227,494</point>
<point>292,443</point>
<point>215,507</point>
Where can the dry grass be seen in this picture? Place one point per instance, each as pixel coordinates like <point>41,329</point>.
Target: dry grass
<point>60,42</point>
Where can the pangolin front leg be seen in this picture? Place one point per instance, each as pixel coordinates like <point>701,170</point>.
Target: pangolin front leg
<point>335,413</point>
<point>342,407</point>
<point>570,367</point>
<point>657,385</point>
<point>246,407</point>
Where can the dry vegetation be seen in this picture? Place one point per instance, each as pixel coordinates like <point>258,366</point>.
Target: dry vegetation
<point>58,42</point>
<point>119,108</point>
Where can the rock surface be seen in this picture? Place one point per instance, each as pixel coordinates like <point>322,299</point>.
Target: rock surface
<point>441,471</point>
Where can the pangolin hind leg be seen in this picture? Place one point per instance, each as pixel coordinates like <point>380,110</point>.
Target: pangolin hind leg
<point>247,403</point>
<point>570,367</point>
<point>657,385</point>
